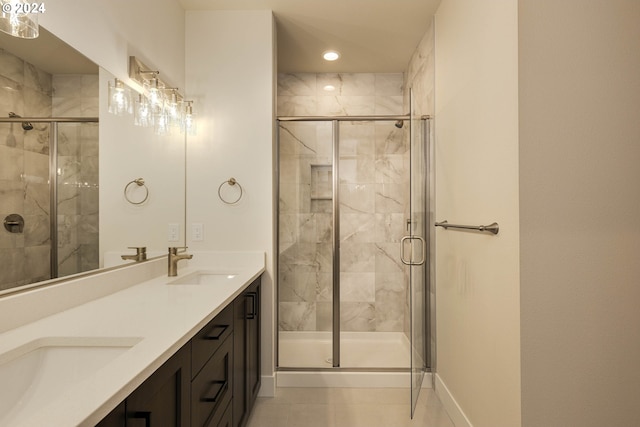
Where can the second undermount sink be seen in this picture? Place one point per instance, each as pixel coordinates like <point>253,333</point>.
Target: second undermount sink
<point>33,374</point>
<point>204,277</point>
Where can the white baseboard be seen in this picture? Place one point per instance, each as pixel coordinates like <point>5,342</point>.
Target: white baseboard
<point>450,405</point>
<point>267,386</point>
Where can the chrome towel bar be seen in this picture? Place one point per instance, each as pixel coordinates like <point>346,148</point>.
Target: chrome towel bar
<point>491,228</point>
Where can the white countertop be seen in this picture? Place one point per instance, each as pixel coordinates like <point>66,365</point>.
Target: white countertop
<point>163,317</point>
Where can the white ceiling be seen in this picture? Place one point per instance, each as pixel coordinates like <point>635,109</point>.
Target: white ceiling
<point>372,35</point>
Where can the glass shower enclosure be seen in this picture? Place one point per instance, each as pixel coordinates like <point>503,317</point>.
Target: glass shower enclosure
<point>351,249</point>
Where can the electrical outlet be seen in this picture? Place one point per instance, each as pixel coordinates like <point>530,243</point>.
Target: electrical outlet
<point>197,232</point>
<point>173,232</point>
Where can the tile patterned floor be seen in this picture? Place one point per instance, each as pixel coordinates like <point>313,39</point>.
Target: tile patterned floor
<point>347,407</point>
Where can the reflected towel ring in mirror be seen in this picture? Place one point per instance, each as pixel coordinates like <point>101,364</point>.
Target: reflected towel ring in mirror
<point>231,182</point>
<point>139,183</point>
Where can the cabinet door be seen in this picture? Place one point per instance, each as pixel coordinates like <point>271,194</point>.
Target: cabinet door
<point>239,405</point>
<point>211,390</point>
<point>163,400</point>
<point>253,345</point>
<point>246,348</point>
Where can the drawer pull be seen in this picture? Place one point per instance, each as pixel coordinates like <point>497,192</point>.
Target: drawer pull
<point>146,415</point>
<point>222,329</point>
<point>252,313</point>
<point>223,387</point>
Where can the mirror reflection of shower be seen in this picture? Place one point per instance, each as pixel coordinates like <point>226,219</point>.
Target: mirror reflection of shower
<point>25,125</point>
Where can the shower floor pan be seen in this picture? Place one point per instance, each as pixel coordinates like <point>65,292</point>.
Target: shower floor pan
<point>377,350</point>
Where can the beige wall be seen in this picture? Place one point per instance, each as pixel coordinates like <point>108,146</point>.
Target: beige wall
<point>229,69</point>
<point>477,275</point>
<point>580,212</point>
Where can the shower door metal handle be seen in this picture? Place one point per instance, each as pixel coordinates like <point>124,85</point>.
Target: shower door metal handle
<point>411,261</point>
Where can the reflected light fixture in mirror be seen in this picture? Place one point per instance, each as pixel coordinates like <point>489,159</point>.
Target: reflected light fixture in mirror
<point>20,18</point>
<point>120,98</point>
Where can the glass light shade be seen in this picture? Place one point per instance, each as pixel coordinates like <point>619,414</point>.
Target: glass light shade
<point>162,124</point>
<point>142,113</point>
<point>17,23</point>
<point>154,95</point>
<point>172,109</point>
<point>188,123</point>
<point>119,98</point>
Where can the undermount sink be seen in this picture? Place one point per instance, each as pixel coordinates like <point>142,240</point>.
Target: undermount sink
<point>204,278</point>
<point>32,374</point>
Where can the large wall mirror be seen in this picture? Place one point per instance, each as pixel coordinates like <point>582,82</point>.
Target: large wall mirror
<point>65,170</point>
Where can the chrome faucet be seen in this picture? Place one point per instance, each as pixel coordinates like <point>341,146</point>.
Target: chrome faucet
<point>174,258</point>
<point>141,254</point>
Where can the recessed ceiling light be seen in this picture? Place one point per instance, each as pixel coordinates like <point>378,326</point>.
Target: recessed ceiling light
<point>329,88</point>
<point>331,55</point>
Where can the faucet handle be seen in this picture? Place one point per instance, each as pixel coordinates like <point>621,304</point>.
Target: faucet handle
<point>177,249</point>
<point>139,249</point>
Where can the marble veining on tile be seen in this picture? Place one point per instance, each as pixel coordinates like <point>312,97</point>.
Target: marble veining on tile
<point>373,172</point>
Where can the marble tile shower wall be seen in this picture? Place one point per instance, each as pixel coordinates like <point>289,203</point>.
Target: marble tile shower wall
<point>24,172</point>
<point>374,166</point>
<point>76,95</point>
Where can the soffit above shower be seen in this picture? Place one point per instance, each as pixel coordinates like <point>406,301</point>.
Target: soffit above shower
<point>375,36</point>
<point>48,53</point>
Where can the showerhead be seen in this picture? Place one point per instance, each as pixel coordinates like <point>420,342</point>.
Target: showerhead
<point>25,125</point>
<point>399,124</point>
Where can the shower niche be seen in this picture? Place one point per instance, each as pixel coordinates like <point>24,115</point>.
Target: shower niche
<point>321,187</point>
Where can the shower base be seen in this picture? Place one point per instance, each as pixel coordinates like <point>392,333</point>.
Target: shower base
<point>359,350</point>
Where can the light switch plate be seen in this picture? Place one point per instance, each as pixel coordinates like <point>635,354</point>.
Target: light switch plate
<point>197,232</point>
<point>173,232</point>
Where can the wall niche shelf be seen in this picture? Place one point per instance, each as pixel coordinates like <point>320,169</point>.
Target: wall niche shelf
<point>321,181</point>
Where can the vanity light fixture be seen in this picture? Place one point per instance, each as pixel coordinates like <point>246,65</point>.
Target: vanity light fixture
<point>157,105</point>
<point>20,18</point>
<point>331,55</point>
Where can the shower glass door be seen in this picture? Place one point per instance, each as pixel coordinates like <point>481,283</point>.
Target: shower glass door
<point>351,192</point>
<point>374,206</point>
<point>417,231</point>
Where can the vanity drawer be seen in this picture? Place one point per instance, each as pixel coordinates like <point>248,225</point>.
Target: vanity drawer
<point>211,389</point>
<point>210,338</point>
<point>225,421</point>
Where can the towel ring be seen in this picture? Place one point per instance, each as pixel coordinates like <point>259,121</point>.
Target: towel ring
<point>231,182</point>
<point>140,183</point>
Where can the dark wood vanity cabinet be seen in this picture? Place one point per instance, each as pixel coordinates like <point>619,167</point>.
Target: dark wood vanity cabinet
<point>115,419</point>
<point>246,349</point>
<point>212,370</point>
<point>212,381</point>
<point>163,399</point>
